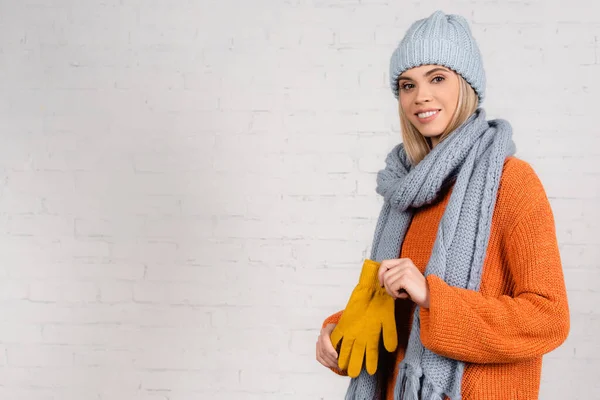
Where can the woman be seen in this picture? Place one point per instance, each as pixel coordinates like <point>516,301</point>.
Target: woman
<point>465,244</point>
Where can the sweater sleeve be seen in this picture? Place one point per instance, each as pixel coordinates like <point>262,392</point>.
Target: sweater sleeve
<point>465,325</point>
<point>334,319</point>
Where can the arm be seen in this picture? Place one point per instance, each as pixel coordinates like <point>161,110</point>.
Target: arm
<point>468,326</point>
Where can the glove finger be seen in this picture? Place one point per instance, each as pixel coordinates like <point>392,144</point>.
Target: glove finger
<point>390,335</point>
<point>345,353</point>
<point>356,359</point>
<point>372,355</point>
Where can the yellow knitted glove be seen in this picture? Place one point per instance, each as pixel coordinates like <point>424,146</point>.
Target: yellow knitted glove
<point>370,311</point>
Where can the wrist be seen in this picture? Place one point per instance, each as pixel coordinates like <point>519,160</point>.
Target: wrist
<point>329,327</point>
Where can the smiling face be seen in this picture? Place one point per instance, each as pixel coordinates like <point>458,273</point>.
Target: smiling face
<point>429,97</point>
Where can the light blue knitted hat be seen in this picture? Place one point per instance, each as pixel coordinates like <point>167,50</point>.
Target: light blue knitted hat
<point>442,40</point>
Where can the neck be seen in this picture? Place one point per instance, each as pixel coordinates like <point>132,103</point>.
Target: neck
<point>433,141</point>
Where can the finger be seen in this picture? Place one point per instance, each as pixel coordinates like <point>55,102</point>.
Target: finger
<point>380,272</point>
<point>383,271</point>
<point>319,357</point>
<point>328,352</point>
<point>328,347</point>
<point>356,359</point>
<point>345,353</point>
<point>393,273</point>
<point>326,361</point>
<point>388,289</point>
<point>330,362</point>
<point>391,263</point>
<point>399,285</point>
<point>372,356</point>
<point>387,265</point>
<point>391,283</point>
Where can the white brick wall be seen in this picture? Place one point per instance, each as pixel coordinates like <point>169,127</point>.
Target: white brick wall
<point>187,187</point>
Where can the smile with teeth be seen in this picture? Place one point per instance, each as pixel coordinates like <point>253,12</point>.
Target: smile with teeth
<point>427,114</point>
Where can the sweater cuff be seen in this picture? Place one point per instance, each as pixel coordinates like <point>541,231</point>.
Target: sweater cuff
<point>339,372</point>
<point>426,315</point>
<point>333,319</point>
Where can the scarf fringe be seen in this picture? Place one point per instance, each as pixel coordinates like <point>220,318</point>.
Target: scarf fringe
<point>411,389</point>
<point>351,391</point>
<point>407,383</point>
<point>412,385</point>
<point>400,383</point>
<point>431,392</point>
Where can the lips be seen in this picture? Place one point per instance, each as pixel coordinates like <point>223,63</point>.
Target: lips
<point>427,113</point>
<point>427,116</point>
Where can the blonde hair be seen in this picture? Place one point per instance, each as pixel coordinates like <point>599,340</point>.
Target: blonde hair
<point>416,145</point>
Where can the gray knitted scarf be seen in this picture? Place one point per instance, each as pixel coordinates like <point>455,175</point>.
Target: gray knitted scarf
<point>472,158</point>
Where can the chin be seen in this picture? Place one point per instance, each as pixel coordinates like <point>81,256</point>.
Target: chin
<point>429,130</point>
<point>431,133</point>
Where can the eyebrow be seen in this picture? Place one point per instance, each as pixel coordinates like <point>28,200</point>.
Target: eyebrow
<point>431,71</point>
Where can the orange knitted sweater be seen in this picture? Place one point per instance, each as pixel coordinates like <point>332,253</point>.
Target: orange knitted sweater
<point>520,311</point>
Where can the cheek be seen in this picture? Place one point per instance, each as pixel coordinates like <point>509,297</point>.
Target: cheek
<point>404,103</point>
<point>451,98</point>
<point>446,100</point>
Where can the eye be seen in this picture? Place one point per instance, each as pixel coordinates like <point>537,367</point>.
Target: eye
<point>406,86</point>
<point>439,79</point>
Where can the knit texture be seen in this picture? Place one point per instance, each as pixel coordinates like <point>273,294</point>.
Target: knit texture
<point>442,40</point>
<point>520,311</point>
<point>473,155</point>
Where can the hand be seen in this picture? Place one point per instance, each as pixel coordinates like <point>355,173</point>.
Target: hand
<point>368,315</point>
<point>326,354</point>
<point>402,280</point>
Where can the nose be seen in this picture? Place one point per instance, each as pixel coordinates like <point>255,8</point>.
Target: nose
<point>423,95</point>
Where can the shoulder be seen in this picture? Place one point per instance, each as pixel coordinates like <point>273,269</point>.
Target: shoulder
<point>516,168</point>
<point>519,191</point>
<point>519,178</point>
